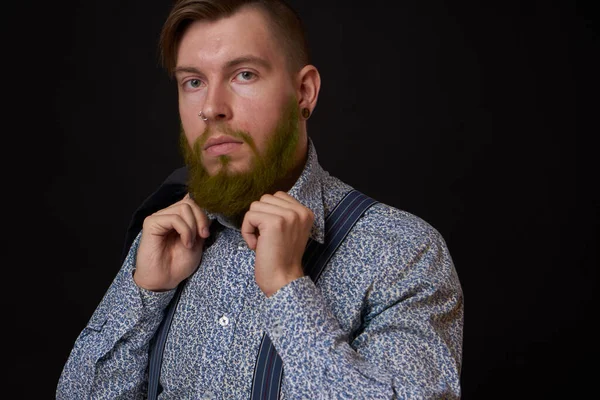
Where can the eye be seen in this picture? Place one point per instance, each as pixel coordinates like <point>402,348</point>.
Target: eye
<point>246,76</point>
<point>193,83</point>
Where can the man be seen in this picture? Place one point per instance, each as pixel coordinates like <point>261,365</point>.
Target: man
<point>217,275</point>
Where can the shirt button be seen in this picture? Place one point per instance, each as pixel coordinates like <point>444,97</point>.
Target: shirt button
<point>242,245</point>
<point>224,320</point>
<point>208,396</point>
<point>276,331</point>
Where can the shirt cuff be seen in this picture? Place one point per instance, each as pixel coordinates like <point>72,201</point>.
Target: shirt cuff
<point>153,302</point>
<point>130,305</point>
<point>297,320</point>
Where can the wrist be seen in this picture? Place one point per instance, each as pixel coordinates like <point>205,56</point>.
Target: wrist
<point>141,282</point>
<point>282,279</point>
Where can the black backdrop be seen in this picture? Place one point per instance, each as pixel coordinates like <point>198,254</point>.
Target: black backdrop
<point>477,118</point>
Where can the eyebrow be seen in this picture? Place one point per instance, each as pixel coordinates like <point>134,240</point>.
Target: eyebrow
<point>229,64</point>
<point>248,60</point>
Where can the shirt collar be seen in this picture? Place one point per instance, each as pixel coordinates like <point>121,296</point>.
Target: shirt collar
<point>307,190</point>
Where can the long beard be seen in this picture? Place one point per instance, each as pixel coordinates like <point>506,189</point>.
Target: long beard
<point>230,193</point>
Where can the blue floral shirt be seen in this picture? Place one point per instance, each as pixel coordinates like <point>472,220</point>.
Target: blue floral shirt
<point>384,320</point>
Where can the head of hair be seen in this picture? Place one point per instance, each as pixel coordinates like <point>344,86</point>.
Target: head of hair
<point>284,23</point>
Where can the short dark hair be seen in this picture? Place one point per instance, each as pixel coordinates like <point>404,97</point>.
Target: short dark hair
<point>284,22</point>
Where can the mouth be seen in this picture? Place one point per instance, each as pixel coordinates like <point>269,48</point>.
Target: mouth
<point>222,145</point>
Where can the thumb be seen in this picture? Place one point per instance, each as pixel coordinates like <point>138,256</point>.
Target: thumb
<point>249,232</point>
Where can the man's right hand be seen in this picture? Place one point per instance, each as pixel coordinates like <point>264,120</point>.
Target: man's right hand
<point>171,245</point>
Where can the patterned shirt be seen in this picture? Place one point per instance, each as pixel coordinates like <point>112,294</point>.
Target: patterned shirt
<point>384,320</point>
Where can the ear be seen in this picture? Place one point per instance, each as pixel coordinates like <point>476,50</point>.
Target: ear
<point>309,84</point>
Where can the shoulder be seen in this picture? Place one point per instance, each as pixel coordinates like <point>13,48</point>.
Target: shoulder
<point>400,251</point>
<point>393,252</point>
<point>385,221</point>
<point>386,235</point>
<point>392,235</point>
<point>382,222</point>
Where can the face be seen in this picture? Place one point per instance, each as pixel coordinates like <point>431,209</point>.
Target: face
<point>235,72</point>
<point>231,193</point>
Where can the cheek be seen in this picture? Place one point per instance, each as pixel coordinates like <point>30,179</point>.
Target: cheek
<point>191,122</point>
<point>250,92</point>
<point>260,116</point>
<point>260,129</point>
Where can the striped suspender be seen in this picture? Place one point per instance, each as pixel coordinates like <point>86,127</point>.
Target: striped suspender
<point>157,346</point>
<point>268,370</point>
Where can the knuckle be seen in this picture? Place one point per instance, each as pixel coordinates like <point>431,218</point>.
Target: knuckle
<point>309,216</point>
<point>279,221</point>
<point>292,215</point>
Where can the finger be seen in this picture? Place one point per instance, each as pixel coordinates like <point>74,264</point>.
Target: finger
<point>272,199</point>
<point>250,229</point>
<point>201,224</point>
<point>284,210</point>
<point>285,197</point>
<point>202,221</point>
<point>286,201</point>
<point>188,216</point>
<point>163,224</point>
<point>187,196</point>
<point>184,210</point>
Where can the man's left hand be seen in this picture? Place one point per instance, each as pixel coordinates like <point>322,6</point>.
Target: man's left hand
<point>277,228</point>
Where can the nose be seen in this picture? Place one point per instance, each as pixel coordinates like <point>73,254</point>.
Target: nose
<point>217,105</point>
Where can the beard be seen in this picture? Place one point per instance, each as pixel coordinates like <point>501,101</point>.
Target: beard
<point>229,192</point>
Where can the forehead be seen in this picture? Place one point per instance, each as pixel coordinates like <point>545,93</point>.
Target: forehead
<point>247,32</point>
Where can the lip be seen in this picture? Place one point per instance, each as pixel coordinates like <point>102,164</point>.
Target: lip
<point>220,140</point>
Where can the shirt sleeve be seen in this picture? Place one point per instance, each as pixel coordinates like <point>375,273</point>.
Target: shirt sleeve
<point>408,346</point>
<point>110,356</point>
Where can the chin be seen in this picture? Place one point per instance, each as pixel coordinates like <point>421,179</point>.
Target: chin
<point>231,168</point>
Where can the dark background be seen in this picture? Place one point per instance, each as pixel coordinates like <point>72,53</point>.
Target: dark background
<point>476,117</point>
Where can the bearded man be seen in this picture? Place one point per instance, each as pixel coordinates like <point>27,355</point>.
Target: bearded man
<point>238,281</point>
